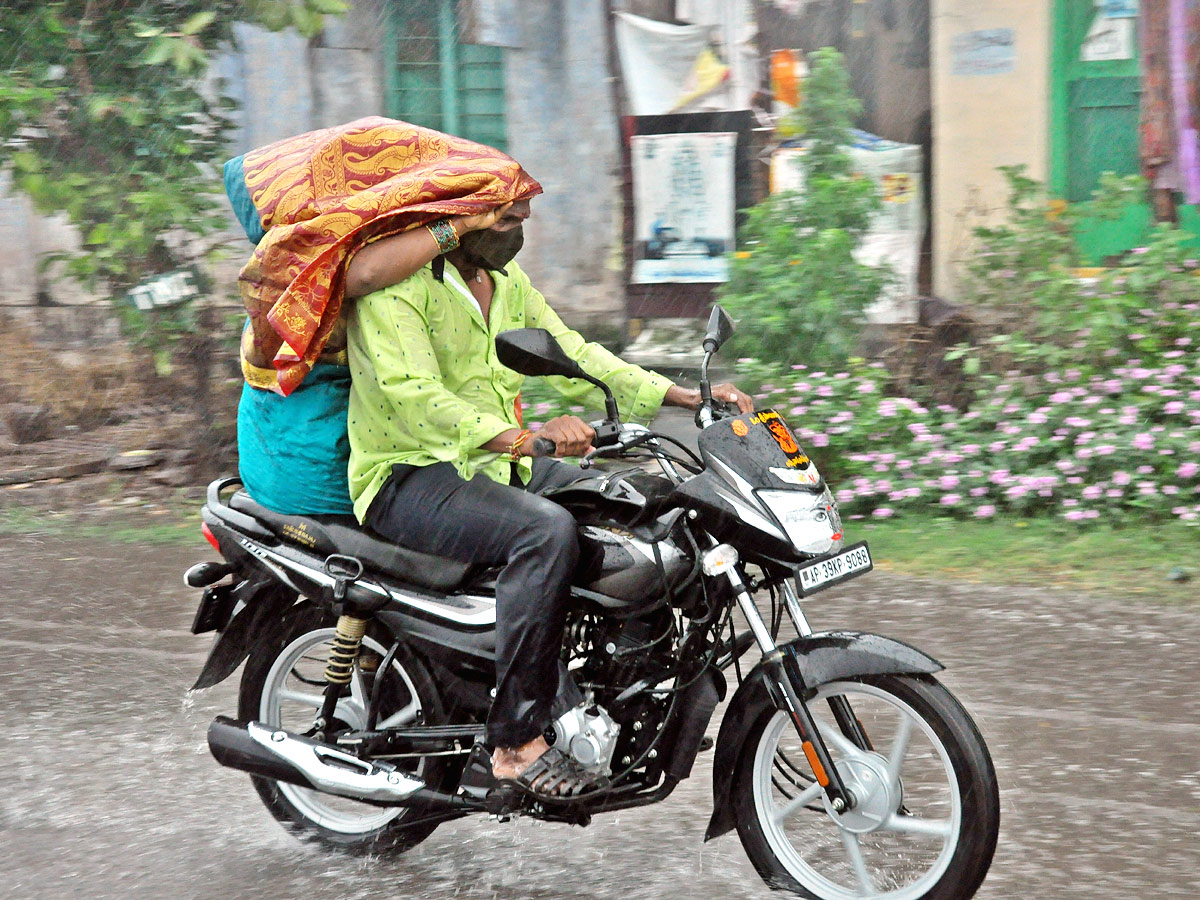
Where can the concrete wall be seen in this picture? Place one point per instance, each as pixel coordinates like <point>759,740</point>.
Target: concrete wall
<point>981,121</point>
<point>563,130</point>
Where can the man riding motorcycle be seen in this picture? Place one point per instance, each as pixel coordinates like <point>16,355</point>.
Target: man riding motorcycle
<point>440,464</point>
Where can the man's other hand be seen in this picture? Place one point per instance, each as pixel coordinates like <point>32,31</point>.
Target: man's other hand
<point>689,398</point>
<point>571,435</point>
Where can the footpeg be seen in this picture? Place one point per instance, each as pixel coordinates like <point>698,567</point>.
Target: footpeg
<point>477,779</point>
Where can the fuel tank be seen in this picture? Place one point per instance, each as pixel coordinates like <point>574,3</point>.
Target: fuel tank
<point>623,518</point>
<point>620,565</point>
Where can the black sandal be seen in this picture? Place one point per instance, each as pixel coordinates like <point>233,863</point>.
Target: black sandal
<point>553,777</point>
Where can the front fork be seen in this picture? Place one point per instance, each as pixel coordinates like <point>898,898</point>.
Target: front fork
<point>786,684</point>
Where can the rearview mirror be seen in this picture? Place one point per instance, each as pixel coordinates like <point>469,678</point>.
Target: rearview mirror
<point>534,351</point>
<point>720,329</point>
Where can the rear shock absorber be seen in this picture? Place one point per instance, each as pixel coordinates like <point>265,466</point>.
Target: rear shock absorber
<point>344,652</point>
<point>347,641</point>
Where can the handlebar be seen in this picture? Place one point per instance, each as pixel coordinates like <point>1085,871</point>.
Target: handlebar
<point>543,447</point>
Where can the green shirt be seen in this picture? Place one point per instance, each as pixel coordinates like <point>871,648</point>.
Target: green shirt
<point>427,386</point>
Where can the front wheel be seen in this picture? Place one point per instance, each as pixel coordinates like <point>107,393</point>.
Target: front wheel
<point>283,686</point>
<point>927,811</point>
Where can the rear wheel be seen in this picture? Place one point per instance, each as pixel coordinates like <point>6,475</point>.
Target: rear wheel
<point>283,686</point>
<point>925,823</point>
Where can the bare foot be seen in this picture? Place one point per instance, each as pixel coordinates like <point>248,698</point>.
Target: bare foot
<point>509,762</point>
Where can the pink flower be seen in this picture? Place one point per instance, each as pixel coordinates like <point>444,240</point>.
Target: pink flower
<point>1143,441</point>
<point>1187,470</point>
<point>884,512</point>
<point>949,499</point>
<point>986,511</point>
<point>1121,477</point>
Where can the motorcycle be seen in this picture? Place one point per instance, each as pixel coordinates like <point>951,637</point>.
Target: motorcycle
<point>845,766</point>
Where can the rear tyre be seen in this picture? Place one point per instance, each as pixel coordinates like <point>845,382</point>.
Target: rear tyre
<point>283,685</point>
<point>927,814</point>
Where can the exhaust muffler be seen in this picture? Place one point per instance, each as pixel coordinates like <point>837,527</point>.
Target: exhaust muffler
<point>253,747</point>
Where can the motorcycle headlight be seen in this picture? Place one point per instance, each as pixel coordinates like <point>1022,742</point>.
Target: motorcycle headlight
<point>811,520</point>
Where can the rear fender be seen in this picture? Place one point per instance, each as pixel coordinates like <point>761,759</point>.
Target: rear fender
<point>258,602</point>
<point>825,657</point>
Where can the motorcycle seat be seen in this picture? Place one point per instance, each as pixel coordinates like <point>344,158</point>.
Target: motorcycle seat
<point>323,535</point>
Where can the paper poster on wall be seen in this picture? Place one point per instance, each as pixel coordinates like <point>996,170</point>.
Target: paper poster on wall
<point>1108,39</point>
<point>990,51</point>
<point>683,191</point>
<point>1118,9</point>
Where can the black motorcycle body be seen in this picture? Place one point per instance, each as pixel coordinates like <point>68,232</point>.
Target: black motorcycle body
<point>386,742</point>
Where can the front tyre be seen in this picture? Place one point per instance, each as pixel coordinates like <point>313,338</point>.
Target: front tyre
<point>283,686</point>
<point>927,815</point>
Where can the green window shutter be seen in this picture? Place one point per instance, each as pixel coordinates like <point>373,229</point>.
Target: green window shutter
<point>1102,135</point>
<point>435,81</point>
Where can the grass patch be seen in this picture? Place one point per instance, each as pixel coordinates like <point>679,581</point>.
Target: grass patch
<point>1160,561</point>
<point>153,526</point>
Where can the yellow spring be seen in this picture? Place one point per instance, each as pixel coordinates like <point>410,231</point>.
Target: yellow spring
<point>344,651</point>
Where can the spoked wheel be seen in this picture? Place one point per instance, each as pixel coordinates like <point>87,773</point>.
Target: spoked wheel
<point>283,687</point>
<point>925,823</point>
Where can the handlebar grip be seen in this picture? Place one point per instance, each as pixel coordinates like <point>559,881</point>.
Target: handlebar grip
<point>543,447</point>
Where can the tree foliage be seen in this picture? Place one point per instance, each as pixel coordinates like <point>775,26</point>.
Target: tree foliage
<point>106,115</point>
<point>795,285</point>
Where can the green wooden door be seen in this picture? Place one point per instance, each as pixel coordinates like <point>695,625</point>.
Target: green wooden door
<point>435,80</point>
<point>1095,93</point>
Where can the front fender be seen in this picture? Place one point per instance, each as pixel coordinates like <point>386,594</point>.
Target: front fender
<point>825,657</point>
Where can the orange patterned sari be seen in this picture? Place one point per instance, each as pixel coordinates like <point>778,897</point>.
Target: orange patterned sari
<point>320,197</point>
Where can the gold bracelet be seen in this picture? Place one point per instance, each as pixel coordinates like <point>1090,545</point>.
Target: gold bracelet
<point>445,234</point>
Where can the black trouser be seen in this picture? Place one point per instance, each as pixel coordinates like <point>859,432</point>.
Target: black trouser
<point>433,510</point>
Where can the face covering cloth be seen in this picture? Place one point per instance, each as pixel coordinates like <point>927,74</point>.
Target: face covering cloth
<point>493,250</point>
<point>312,200</point>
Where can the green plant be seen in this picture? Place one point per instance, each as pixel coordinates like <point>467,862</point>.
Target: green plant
<point>105,116</point>
<point>1025,279</point>
<point>795,285</point>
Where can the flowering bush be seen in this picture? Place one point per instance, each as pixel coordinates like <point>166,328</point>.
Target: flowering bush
<point>1023,278</point>
<point>1085,447</point>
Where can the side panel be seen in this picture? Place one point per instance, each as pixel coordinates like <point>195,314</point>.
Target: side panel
<point>825,657</point>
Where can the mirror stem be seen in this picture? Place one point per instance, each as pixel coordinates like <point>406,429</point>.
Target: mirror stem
<point>610,402</point>
<point>705,387</point>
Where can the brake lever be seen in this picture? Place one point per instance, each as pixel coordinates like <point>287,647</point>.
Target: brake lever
<point>614,445</point>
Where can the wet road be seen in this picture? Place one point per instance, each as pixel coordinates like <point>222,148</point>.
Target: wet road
<point>1090,707</point>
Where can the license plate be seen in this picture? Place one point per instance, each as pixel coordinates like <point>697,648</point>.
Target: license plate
<point>213,612</point>
<point>824,573</point>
